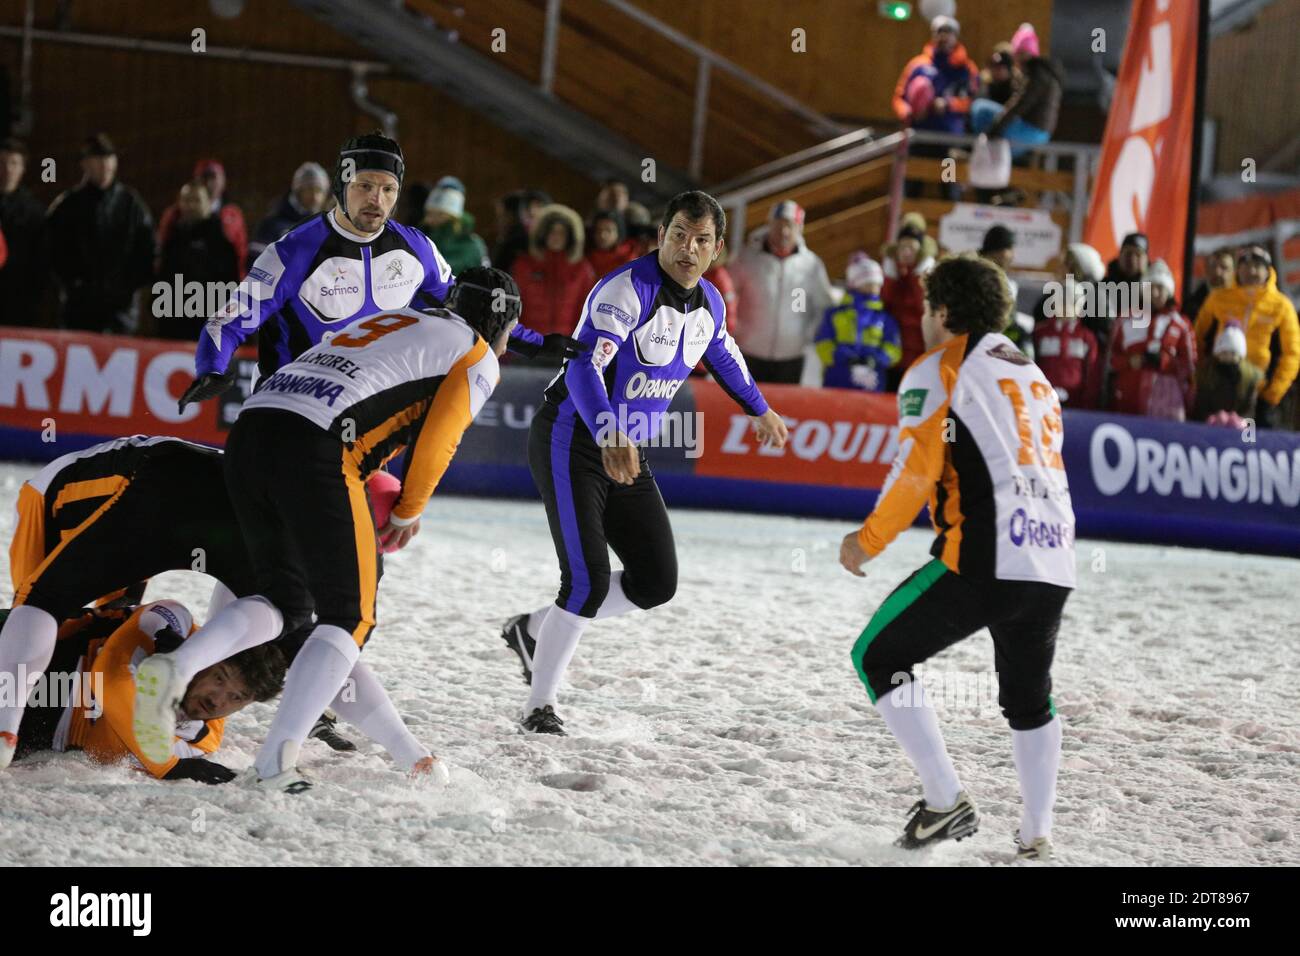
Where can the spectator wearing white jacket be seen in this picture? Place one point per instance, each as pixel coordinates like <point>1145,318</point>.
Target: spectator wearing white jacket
<point>783,290</point>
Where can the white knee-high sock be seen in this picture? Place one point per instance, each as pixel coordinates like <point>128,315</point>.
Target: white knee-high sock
<point>1038,755</point>
<point>365,705</point>
<point>315,678</point>
<point>616,602</point>
<point>26,646</point>
<point>913,722</point>
<point>555,646</point>
<point>241,624</point>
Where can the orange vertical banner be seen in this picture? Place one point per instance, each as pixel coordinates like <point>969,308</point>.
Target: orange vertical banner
<point>1145,181</point>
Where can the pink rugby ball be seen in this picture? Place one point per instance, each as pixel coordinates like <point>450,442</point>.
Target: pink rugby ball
<point>384,490</point>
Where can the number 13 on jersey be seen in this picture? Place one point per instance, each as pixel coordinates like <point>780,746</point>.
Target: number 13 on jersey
<point>1047,450</point>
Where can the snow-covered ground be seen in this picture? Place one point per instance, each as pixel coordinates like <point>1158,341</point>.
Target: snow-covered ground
<point>729,727</point>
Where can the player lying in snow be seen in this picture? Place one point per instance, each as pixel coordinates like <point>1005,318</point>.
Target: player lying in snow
<point>96,521</point>
<point>94,666</point>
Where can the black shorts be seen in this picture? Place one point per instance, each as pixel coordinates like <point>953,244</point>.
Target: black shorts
<point>171,515</point>
<point>306,520</point>
<point>589,513</point>
<point>935,608</point>
<point>39,723</point>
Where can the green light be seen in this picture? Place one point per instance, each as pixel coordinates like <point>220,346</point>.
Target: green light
<point>895,10</point>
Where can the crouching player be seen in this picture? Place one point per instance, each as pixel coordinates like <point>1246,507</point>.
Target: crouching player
<point>89,692</point>
<point>296,463</point>
<point>980,439</point>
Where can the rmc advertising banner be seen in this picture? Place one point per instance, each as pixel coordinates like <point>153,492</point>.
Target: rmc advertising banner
<point>1130,478</point>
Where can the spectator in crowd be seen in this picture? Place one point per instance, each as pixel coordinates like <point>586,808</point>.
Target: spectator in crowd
<point>783,290</point>
<point>1218,275</point>
<point>645,239</point>
<point>934,90</point>
<point>997,77</point>
<point>197,250</point>
<point>553,277</point>
<point>101,245</point>
<point>411,201</point>
<point>451,228</point>
<point>721,278</point>
<point>1269,319</point>
<point>613,197</point>
<point>929,248</point>
<point>635,214</point>
<point>858,341</point>
<point>515,218</point>
<point>1227,381</point>
<point>308,191</point>
<point>1068,353</point>
<point>905,267</point>
<point>1127,268</point>
<point>999,248</point>
<point>944,64</point>
<point>1083,266</point>
<point>22,221</point>
<point>1153,355</point>
<point>212,175</point>
<point>1030,115</point>
<point>608,248</point>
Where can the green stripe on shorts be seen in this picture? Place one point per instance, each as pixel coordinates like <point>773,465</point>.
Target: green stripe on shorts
<point>899,601</point>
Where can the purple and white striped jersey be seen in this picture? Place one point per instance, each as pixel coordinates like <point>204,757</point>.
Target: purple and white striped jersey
<point>645,334</point>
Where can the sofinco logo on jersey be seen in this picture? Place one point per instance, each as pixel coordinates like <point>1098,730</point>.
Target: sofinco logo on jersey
<point>1039,534</point>
<point>641,385</point>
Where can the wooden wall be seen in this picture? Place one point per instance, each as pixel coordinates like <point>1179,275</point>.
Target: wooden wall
<point>854,55</point>
<point>164,111</point>
<point>1253,87</point>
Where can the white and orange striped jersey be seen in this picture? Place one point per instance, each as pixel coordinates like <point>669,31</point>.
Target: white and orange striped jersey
<point>391,380</point>
<point>980,440</point>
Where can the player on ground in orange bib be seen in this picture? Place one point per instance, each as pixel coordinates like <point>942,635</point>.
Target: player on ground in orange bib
<point>980,441</point>
<point>296,463</point>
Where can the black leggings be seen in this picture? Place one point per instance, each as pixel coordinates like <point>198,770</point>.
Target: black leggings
<point>935,608</point>
<point>589,513</point>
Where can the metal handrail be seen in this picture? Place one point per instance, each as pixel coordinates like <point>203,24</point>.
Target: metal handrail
<point>818,120</point>
<point>736,201</point>
<point>863,135</point>
<point>221,52</point>
<point>707,61</point>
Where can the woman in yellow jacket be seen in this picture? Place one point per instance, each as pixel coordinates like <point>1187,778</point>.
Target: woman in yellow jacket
<point>1269,320</point>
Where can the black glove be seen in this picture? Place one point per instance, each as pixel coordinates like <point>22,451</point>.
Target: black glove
<point>208,385</point>
<point>1265,414</point>
<point>557,345</point>
<point>204,771</point>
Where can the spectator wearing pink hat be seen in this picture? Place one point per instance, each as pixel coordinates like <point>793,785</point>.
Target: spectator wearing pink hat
<point>783,290</point>
<point>212,175</point>
<point>859,341</point>
<point>1029,117</point>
